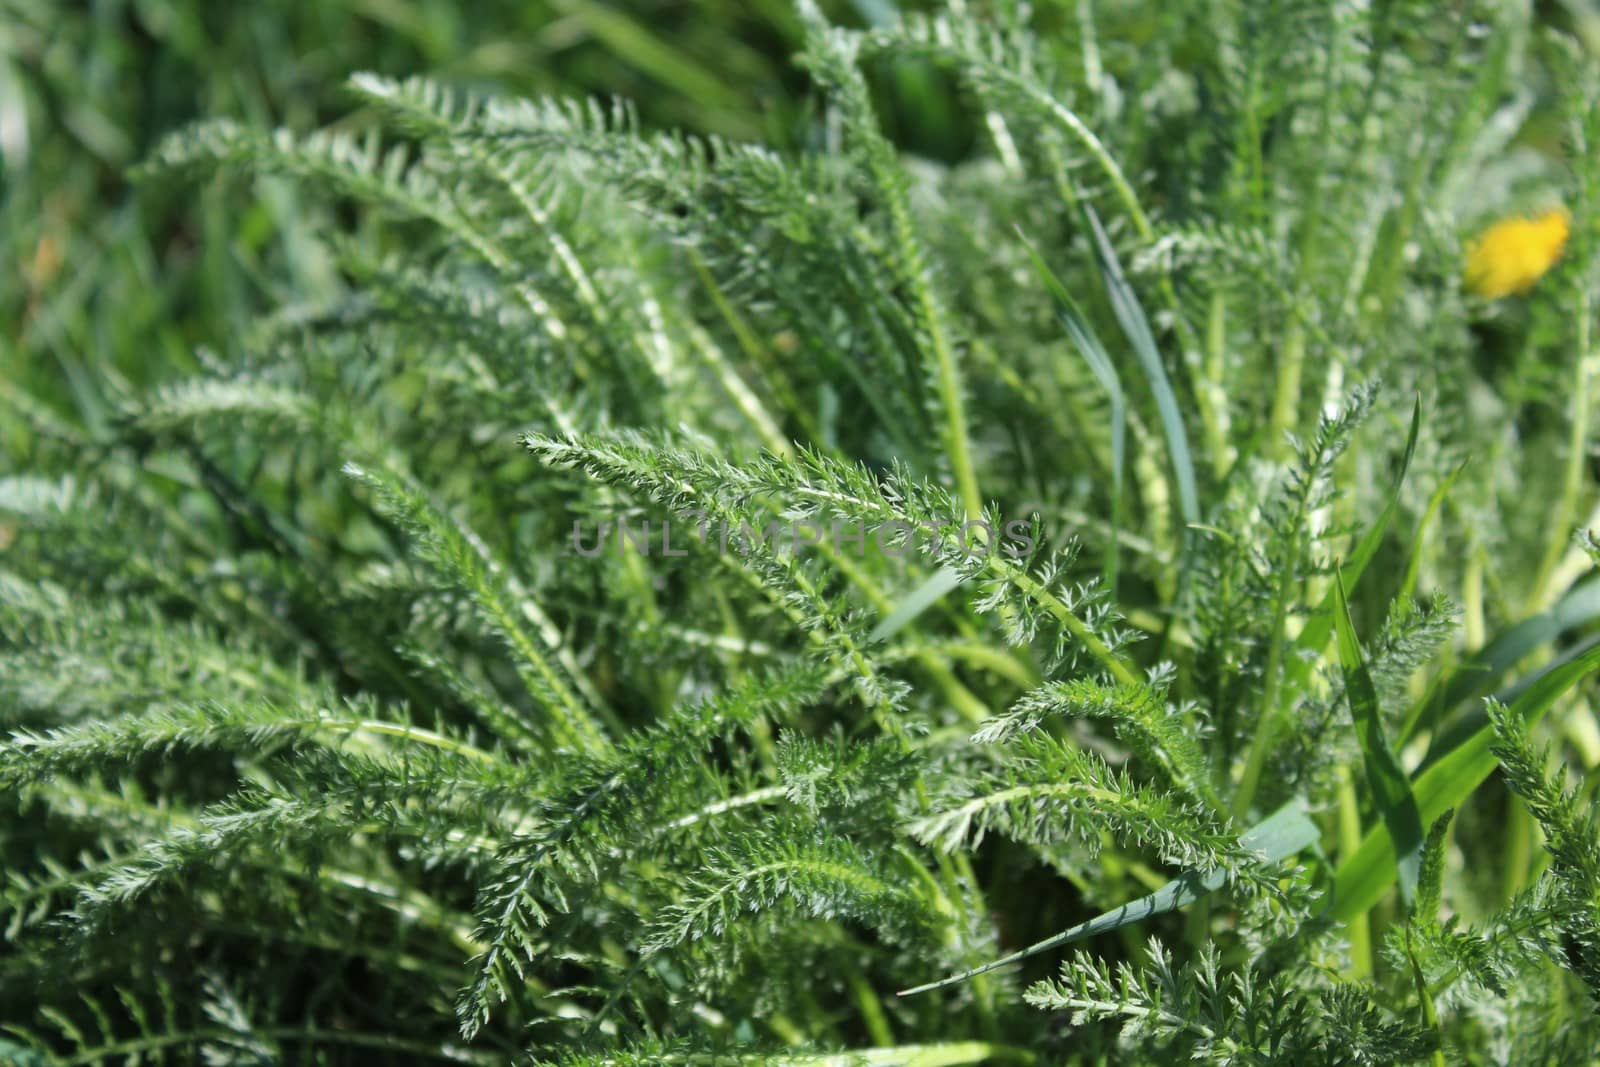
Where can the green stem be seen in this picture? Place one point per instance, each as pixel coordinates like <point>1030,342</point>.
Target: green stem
<point>407,732</point>
<point>1286,397</point>
<point>1517,855</point>
<point>1119,668</point>
<point>872,1016</point>
<point>1211,384</point>
<point>1358,928</point>
<point>955,430</point>
<point>1565,515</point>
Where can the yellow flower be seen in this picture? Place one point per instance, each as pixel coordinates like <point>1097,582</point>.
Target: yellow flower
<point>1513,254</point>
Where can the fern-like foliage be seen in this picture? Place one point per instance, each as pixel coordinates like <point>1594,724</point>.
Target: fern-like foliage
<point>664,594</point>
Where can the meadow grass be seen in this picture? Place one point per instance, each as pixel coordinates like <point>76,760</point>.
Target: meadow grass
<point>1117,585</point>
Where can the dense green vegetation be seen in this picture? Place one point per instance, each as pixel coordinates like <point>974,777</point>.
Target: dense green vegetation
<point>1112,594</point>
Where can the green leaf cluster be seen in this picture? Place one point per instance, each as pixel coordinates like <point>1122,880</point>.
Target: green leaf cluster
<point>330,737</point>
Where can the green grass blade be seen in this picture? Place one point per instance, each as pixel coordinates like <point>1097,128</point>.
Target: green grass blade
<point>1277,837</point>
<point>1478,678</point>
<point>1391,789</point>
<point>1361,880</point>
<point>922,597</point>
<point>1414,565</point>
<point>632,42</point>
<point>1125,305</point>
<point>1089,347</point>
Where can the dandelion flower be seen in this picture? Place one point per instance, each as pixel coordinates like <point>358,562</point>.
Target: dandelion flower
<point>1513,254</point>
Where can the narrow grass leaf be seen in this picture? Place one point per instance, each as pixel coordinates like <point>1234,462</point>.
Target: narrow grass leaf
<point>1414,565</point>
<point>1479,677</point>
<point>1125,305</point>
<point>1277,837</point>
<point>1105,372</point>
<point>921,599</point>
<point>632,42</point>
<point>1361,880</point>
<point>1391,789</point>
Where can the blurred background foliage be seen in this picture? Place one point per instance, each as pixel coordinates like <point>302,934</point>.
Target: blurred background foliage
<point>107,287</point>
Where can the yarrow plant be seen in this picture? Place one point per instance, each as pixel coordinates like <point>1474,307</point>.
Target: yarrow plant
<point>325,747</point>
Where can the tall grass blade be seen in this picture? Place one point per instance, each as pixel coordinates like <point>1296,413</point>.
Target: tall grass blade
<point>1277,837</point>
<point>1391,789</point>
<point>1414,565</point>
<point>1089,347</point>
<point>921,599</point>
<point>1479,677</point>
<point>1125,305</point>
<point>1361,880</point>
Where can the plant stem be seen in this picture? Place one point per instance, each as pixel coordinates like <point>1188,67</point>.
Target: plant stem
<point>1358,928</point>
<point>1566,512</point>
<point>1286,397</point>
